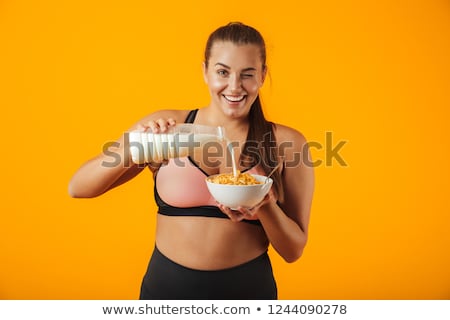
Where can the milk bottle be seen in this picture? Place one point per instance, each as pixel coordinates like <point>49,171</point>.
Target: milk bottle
<point>179,141</point>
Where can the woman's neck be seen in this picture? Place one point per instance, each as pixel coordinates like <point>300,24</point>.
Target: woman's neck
<point>212,116</point>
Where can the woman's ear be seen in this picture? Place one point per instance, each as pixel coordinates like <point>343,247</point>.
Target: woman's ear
<point>264,74</point>
<point>205,71</point>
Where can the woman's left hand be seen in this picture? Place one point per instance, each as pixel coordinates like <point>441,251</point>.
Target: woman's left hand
<point>242,213</point>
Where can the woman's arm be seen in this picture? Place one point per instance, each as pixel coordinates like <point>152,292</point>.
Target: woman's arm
<point>286,224</point>
<point>98,175</point>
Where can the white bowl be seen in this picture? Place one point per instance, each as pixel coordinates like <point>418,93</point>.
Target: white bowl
<point>234,196</point>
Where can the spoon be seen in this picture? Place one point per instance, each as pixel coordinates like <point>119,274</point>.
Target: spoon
<point>272,172</point>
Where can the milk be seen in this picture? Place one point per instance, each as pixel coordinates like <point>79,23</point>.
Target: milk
<point>146,147</point>
<point>233,160</point>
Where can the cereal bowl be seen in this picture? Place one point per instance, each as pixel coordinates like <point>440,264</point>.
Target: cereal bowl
<point>234,196</point>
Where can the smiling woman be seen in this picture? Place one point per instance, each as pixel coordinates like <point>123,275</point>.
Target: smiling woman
<point>234,68</point>
<point>203,249</point>
<point>232,86</point>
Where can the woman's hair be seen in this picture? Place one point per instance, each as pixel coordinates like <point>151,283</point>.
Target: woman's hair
<point>260,147</point>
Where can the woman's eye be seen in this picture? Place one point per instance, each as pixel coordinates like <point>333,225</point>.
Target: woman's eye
<point>247,75</point>
<point>222,73</point>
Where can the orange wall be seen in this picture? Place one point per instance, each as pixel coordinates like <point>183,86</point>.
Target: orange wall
<point>75,74</point>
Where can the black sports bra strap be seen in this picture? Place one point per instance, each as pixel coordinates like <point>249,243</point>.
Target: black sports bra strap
<point>191,116</point>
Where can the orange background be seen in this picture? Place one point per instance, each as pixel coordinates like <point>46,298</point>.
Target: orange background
<point>75,74</point>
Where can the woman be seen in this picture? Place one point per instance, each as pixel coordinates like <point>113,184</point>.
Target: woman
<point>204,250</point>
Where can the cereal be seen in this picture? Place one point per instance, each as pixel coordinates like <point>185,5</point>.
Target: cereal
<point>242,179</point>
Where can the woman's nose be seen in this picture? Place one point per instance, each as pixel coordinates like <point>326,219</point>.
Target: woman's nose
<point>234,82</point>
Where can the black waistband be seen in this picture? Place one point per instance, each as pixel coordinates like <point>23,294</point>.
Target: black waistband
<point>165,279</point>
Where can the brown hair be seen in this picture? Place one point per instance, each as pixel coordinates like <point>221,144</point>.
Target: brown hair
<point>260,147</point>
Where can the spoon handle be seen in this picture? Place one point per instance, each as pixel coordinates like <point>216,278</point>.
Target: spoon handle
<point>273,170</point>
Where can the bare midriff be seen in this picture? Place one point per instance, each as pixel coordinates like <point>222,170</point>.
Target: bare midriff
<point>205,243</point>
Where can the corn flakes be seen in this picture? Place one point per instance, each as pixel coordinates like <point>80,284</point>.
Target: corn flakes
<point>241,179</point>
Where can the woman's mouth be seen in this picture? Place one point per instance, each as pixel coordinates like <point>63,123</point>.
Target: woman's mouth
<point>234,99</point>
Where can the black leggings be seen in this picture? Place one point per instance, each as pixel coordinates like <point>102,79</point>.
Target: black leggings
<point>167,280</point>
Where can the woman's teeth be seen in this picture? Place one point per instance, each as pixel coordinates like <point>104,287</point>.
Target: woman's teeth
<point>234,98</point>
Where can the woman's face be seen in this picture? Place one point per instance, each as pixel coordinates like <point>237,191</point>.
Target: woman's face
<point>234,75</point>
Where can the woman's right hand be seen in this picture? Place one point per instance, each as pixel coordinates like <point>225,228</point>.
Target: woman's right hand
<point>160,125</point>
<point>156,126</point>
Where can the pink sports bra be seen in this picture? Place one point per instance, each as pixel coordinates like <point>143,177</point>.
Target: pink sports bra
<point>180,188</point>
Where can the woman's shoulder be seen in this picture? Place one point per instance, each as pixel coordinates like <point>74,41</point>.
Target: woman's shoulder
<point>284,133</point>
